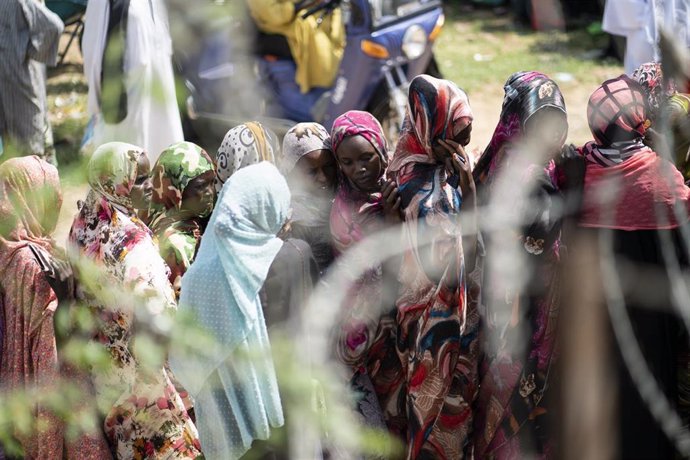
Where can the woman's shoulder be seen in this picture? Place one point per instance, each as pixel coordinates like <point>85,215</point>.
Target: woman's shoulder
<point>294,248</point>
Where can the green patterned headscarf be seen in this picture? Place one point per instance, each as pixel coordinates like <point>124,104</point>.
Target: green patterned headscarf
<point>176,167</point>
<point>112,172</point>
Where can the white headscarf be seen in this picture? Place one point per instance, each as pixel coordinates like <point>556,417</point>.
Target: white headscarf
<point>300,140</point>
<point>244,145</point>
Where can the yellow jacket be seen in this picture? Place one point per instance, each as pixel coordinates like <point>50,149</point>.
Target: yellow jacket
<point>317,50</point>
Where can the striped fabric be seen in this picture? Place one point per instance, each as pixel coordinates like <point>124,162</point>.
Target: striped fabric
<point>616,154</point>
<point>29,41</point>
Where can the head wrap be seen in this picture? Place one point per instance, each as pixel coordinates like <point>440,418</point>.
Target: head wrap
<point>300,140</point>
<point>651,77</point>
<point>526,93</point>
<point>437,109</point>
<point>617,113</point>
<point>358,123</point>
<point>244,145</point>
<point>112,172</point>
<point>175,168</point>
<point>30,201</point>
<point>221,289</point>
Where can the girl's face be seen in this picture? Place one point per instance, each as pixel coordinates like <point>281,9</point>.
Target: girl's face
<point>143,186</point>
<point>199,195</point>
<point>360,163</point>
<point>316,172</point>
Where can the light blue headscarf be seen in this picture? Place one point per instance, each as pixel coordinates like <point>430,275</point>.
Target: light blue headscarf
<point>236,397</point>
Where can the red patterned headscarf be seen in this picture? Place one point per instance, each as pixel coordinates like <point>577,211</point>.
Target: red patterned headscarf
<point>437,109</point>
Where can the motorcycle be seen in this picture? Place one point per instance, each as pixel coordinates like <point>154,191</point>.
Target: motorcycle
<point>389,42</point>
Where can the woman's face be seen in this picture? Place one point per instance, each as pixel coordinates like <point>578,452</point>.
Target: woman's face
<point>143,186</point>
<point>199,196</point>
<point>316,172</point>
<point>547,128</point>
<point>360,163</point>
<point>463,138</point>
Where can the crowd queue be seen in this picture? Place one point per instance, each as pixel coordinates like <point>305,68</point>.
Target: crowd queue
<point>452,346</point>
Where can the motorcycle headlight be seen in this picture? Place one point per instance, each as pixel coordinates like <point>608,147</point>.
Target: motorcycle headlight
<point>414,42</point>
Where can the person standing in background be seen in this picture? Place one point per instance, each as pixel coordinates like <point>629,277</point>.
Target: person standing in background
<point>30,37</point>
<point>641,23</point>
<point>127,63</point>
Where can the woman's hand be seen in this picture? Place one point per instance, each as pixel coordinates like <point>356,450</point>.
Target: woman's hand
<point>458,163</point>
<point>391,202</point>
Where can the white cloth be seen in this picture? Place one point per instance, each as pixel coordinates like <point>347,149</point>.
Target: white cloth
<point>641,22</point>
<point>153,120</point>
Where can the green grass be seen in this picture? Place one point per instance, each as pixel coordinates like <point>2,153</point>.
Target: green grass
<point>67,92</point>
<point>479,49</point>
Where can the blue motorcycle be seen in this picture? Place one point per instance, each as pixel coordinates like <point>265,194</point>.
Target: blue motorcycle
<point>389,42</point>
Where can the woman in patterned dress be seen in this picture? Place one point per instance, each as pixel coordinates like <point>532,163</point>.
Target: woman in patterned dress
<point>365,203</point>
<point>30,201</point>
<point>428,400</point>
<point>517,177</point>
<point>184,193</point>
<point>124,281</point>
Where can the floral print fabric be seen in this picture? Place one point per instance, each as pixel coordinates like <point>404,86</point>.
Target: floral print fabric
<point>145,416</point>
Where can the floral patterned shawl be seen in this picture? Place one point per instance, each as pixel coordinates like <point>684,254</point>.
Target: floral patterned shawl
<point>145,414</point>
<point>651,77</point>
<point>511,405</point>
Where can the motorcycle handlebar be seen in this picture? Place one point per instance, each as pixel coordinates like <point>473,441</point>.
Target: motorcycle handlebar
<point>327,6</point>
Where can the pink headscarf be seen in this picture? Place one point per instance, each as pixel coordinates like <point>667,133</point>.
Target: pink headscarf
<point>355,213</point>
<point>358,123</point>
<point>647,187</point>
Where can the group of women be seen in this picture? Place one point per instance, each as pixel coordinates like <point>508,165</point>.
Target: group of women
<point>451,344</point>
